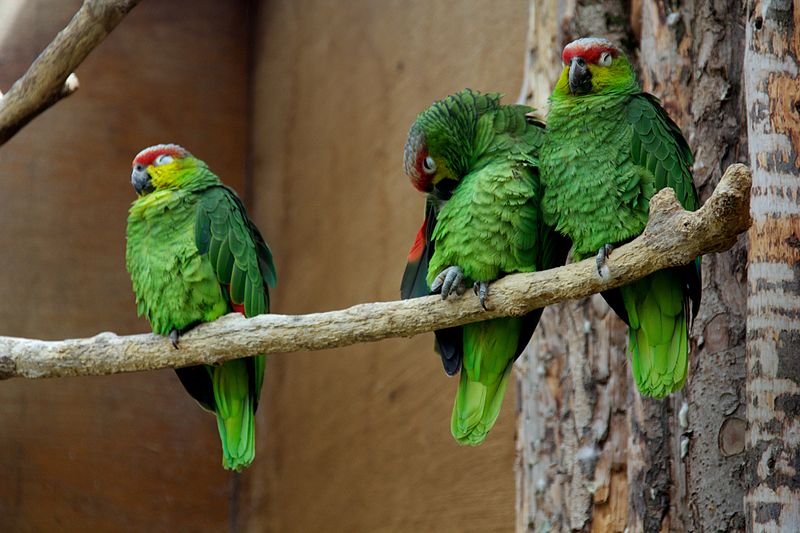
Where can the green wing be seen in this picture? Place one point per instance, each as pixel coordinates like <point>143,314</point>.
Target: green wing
<point>243,264</point>
<point>658,145</point>
<point>657,306</point>
<point>238,253</point>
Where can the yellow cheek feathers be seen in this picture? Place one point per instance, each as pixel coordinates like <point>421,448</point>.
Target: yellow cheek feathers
<point>442,173</point>
<point>163,176</point>
<point>601,77</point>
<point>616,74</point>
<point>563,81</point>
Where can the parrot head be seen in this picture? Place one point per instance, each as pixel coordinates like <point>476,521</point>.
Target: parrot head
<point>593,66</point>
<point>163,166</point>
<point>439,147</point>
<point>420,165</point>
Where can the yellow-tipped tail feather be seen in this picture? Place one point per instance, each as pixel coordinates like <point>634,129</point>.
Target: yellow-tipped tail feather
<point>476,408</point>
<point>235,414</point>
<point>489,351</point>
<point>658,337</point>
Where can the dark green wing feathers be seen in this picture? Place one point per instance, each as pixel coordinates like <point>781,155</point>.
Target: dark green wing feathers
<point>241,259</point>
<point>658,145</point>
<point>657,307</point>
<point>242,262</point>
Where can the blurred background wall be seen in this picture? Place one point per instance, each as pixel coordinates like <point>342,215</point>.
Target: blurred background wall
<point>303,107</point>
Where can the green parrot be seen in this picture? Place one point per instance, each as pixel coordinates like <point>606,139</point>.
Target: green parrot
<point>476,160</point>
<point>193,256</point>
<point>609,147</point>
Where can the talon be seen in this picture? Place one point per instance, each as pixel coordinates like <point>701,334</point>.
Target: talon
<point>481,288</point>
<point>453,282</point>
<point>437,282</point>
<point>450,280</point>
<point>602,256</point>
<point>174,335</point>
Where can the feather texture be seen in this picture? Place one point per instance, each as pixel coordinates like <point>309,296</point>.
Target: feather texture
<point>483,216</point>
<point>606,153</point>
<point>193,255</point>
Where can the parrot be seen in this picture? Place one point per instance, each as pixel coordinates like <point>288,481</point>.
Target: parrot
<point>609,147</point>
<point>476,161</point>
<point>194,255</point>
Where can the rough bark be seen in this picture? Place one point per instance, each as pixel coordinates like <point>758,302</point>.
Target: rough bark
<point>542,60</point>
<point>654,465</point>
<point>574,383</point>
<point>691,57</point>
<point>50,77</point>
<point>772,86</point>
<point>672,237</point>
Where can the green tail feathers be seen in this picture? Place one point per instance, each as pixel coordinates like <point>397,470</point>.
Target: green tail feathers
<point>477,407</point>
<point>235,414</point>
<point>657,309</point>
<point>489,351</point>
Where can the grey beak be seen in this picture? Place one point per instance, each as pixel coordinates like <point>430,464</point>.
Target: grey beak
<point>140,180</point>
<point>580,77</point>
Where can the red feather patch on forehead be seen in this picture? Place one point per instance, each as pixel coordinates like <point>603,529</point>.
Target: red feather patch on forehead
<point>148,155</point>
<point>589,48</point>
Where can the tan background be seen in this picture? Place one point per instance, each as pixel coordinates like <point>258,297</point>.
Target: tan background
<point>303,106</point>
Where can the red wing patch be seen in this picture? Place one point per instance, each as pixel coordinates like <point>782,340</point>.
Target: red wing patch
<point>239,308</point>
<point>419,244</point>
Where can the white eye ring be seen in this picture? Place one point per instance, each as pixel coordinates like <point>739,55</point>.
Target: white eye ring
<point>605,59</point>
<point>429,165</point>
<point>163,159</point>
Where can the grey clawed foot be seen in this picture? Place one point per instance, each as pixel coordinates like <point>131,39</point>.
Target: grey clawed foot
<point>449,281</point>
<point>481,288</point>
<point>602,256</point>
<point>174,335</point>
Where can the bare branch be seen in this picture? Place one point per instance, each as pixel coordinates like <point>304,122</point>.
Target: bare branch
<point>673,237</point>
<point>50,77</point>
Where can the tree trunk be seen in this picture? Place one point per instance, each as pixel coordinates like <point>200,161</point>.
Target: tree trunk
<point>592,454</point>
<point>772,87</point>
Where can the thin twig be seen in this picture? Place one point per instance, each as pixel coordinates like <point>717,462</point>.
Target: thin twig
<point>50,77</point>
<point>673,237</point>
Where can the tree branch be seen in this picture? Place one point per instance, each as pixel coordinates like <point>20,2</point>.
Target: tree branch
<point>50,77</point>
<point>673,237</point>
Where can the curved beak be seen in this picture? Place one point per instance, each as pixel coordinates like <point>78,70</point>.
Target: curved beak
<point>580,77</point>
<point>140,180</point>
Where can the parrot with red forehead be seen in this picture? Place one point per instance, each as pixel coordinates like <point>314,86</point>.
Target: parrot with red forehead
<point>609,147</point>
<point>476,162</point>
<point>193,256</point>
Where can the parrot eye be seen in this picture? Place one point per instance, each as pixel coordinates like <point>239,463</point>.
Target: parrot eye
<point>163,159</point>
<point>429,165</point>
<point>605,59</point>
